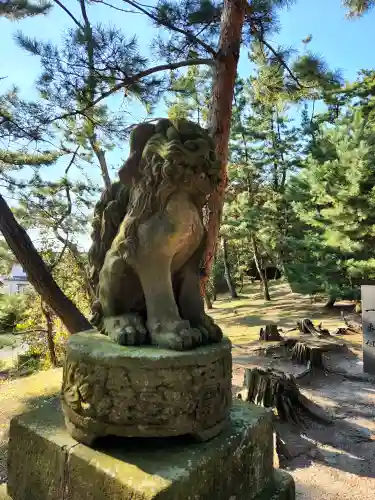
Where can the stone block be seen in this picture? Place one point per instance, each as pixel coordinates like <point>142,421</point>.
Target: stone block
<point>144,391</point>
<point>281,487</point>
<point>45,463</point>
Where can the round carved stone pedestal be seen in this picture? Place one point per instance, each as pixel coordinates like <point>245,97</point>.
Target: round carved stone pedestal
<point>144,391</point>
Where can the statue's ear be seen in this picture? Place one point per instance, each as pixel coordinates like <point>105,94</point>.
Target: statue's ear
<point>138,140</point>
<point>162,125</point>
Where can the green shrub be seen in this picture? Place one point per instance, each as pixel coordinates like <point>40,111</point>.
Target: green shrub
<point>12,311</point>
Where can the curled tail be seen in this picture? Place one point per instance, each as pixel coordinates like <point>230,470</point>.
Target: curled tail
<point>108,215</point>
<point>111,209</point>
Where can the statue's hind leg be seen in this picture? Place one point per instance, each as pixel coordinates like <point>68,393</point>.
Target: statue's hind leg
<point>120,296</point>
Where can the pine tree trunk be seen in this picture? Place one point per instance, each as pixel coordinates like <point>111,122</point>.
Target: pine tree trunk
<point>50,342</point>
<point>227,273</point>
<point>330,302</point>
<point>232,20</point>
<point>208,301</point>
<point>262,275</point>
<point>38,273</point>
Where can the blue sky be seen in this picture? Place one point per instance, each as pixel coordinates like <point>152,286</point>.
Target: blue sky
<point>346,45</point>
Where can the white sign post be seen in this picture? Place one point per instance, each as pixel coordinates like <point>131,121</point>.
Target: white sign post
<point>368,325</point>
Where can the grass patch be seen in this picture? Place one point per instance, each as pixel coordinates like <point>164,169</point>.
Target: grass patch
<point>241,319</point>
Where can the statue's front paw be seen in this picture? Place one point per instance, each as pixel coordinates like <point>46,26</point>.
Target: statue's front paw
<point>211,332</point>
<point>126,329</point>
<point>176,335</point>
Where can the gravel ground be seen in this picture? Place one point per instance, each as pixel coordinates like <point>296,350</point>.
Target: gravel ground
<point>335,462</point>
<point>344,464</point>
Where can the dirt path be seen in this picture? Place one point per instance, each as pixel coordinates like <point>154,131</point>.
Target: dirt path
<point>341,463</point>
<point>334,462</point>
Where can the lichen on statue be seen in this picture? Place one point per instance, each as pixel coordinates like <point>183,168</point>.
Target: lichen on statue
<point>148,240</point>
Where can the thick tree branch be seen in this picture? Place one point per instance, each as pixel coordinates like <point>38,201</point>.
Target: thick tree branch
<point>84,12</point>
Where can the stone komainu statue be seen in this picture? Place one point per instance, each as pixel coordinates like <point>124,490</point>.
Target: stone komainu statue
<point>148,240</point>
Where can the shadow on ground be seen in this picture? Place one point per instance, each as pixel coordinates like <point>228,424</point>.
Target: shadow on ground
<point>349,443</point>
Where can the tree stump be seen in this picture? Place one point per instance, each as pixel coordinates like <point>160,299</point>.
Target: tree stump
<point>270,333</point>
<point>303,353</point>
<point>279,390</point>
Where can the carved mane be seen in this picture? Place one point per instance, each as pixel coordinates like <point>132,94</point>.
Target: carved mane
<point>164,157</point>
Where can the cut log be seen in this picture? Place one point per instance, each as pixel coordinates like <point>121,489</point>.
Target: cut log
<point>306,326</point>
<point>353,326</point>
<point>279,390</point>
<point>270,333</point>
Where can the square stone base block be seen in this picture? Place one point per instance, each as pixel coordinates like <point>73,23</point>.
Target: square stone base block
<point>45,463</point>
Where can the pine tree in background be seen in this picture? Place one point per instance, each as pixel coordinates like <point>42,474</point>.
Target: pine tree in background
<point>191,96</point>
<point>266,148</point>
<point>333,197</point>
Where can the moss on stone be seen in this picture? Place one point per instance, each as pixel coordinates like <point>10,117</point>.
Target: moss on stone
<point>236,463</point>
<point>109,389</point>
<point>91,345</point>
